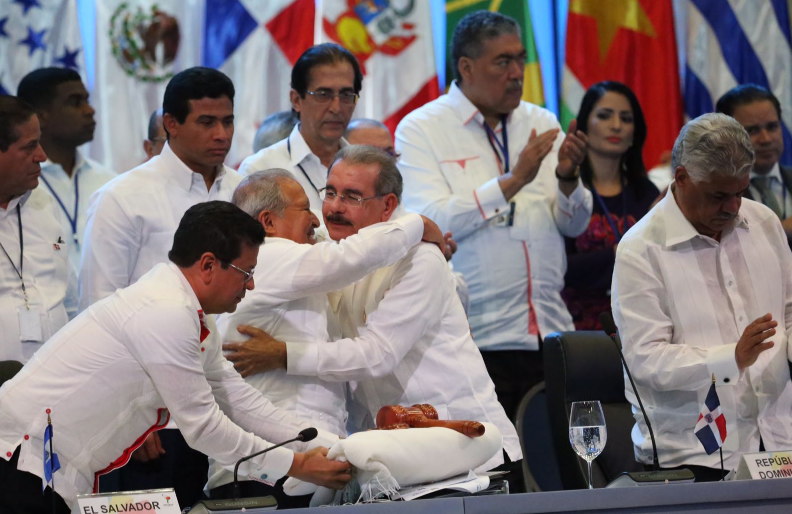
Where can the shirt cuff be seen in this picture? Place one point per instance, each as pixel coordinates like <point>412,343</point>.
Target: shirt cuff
<point>302,359</point>
<point>490,200</point>
<point>413,225</point>
<point>276,463</point>
<point>574,201</point>
<point>721,362</point>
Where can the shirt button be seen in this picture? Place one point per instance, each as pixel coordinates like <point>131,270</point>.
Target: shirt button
<point>9,454</point>
<point>730,283</point>
<point>203,349</point>
<point>264,476</point>
<point>27,437</point>
<point>726,380</point>
<point>741,318</point>
<point>497,211</point>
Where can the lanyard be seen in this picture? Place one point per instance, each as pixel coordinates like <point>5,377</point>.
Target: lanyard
<point>288,147</point>
<point>614,226</point>
<point>504,148</point>
<point>21,254</point>
<point>72,221</point>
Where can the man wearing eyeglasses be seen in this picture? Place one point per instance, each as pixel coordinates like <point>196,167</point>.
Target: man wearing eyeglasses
<point>326,81</point>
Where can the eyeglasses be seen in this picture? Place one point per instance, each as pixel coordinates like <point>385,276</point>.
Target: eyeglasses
<point>248,274</point>
<point>324,96</point>
<point>328,196</point>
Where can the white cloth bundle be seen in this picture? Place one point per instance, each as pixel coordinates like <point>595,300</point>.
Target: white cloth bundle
<point>386,460</point>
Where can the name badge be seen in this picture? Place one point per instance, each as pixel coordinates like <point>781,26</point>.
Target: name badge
<point>765,465</point>
<point>158,501</point>
<point>30,325</point>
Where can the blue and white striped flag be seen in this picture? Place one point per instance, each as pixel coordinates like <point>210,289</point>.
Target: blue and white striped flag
<point>51,462</point>
<point>733,42</point>
<point>35,34</point>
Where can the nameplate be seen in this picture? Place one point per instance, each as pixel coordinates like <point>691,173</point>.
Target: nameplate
<point>158,501</point>
<point>765,465</point>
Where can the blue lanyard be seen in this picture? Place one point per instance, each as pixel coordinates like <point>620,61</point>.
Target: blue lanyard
<point>288,147</point>
<point>504,148</point>
<point>614,226</point>
<point>72,221</point>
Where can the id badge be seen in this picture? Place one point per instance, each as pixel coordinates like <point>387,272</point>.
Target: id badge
<point>30,325</point>
<point>506,219</point>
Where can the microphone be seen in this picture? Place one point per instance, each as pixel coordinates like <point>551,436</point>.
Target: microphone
<point>305,435</point>
<point>609,327</point>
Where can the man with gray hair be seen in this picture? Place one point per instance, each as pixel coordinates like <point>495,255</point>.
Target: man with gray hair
<point>702,290</point>
<point>275,127</point>
<point>293,277</point>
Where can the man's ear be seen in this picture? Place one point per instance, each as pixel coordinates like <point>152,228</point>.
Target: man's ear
<point>465,67</point>
<point>681,176</point>
<point>296,100</point>
<point>391,203</point>
<point>267,220</point>
<point>207,265</point>
<point>170,124</point>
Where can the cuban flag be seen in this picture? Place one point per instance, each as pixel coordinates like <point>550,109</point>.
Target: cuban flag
<point>51,462</point>
<point>711,426</point>
<point>738,42</point>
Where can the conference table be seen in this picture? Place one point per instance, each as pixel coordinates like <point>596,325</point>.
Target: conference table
<point>744,497</point>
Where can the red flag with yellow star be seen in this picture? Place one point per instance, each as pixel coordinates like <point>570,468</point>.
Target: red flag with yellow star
<point>631,41</point>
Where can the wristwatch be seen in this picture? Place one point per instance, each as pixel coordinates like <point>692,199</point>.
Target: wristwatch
<point>573,178</point>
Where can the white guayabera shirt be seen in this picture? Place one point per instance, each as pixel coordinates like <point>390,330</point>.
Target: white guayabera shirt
<point>681,301</point>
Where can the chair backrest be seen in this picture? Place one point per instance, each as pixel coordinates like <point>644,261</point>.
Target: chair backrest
<point>539,462</point>
<point>8,369</point>
<point>586,366</point>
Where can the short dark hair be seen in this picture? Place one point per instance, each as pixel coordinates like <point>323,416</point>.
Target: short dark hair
<point>218,227</point>
<point>154,123</point>
<point>39,86</point>
<point>194,84</point>
<point>745,94</point>
<point>388,181</point>
<point>13,112</point>
<point>318,55</point>
<point>473,30</point>
<point>632,164</point>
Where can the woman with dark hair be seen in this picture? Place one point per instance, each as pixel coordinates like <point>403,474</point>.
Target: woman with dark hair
<point>614,172</point>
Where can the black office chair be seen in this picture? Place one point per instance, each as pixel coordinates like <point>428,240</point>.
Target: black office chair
<point>539,463</point>
<point>583,366</point>
<point>8,369</point>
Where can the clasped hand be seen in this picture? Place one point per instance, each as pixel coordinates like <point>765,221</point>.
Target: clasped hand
<point>259,354</point>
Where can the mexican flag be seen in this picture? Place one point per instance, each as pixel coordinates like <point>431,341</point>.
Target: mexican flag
<point>630,41</point>
<point>457,9</point>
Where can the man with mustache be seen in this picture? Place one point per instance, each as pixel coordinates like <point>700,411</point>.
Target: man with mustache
<point>326,82</point>
<point>498,173</point>
<point>406,337</point>
<point>131,222</point>
<point>759,112</point>
<point>293,277</point>
<point>702,288</point>
<point>67,121</point>
<point>38,288</point>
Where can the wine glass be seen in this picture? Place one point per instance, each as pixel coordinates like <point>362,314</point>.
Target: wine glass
<point>587,432</point>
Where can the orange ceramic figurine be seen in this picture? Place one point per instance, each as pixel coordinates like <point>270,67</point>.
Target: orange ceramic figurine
<point>423,416</point>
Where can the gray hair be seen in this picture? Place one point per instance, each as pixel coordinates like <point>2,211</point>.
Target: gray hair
<point>713,144</point>
<point>275,127</point>
<point>363,123</point>
<point>388,181</point>
<point>473,31</point>
<point>261,191</point>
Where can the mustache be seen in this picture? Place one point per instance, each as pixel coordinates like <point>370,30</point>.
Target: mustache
<point>337,218</point>
<point>516,85</point>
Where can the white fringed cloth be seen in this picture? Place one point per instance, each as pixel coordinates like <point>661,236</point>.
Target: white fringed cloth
<point>385,460</point>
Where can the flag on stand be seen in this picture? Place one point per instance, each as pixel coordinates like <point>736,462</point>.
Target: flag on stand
<point>30,38</point>
<point>51,462</point>
<point>633,42</point>
<point>732,43</point>
<point>393,44</point>
<point>533,91</point>
<point>711,426</point>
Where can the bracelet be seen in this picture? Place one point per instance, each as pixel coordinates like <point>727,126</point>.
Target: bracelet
<point>573,178</point>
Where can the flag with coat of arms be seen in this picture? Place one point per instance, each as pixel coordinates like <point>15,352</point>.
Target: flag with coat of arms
<point>711,426</point>
<point>30,39</point>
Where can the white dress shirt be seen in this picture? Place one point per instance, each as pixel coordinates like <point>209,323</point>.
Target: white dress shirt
<point>293,154</point>
<point>72,194</point>
<point>681,301</point>
<point>407,342</point>
<point>290,303</point>
<point>50,281</point>
<point>132,219</point>
<point>514,274</point>
<point>777,186</point>
<point>119,371</point>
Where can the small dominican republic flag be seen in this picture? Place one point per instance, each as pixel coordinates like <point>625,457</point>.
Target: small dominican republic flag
<point>711,426</point>
<point>51,462</point>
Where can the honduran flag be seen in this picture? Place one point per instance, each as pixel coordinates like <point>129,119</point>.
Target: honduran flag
<point>711,426</point>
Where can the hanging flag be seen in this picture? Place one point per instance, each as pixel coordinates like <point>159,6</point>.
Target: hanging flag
<point>458,9</point>
<point>630,41</point>
<point>732,43</point>
<point>711,426</point>
<point>30,39</point>
<point>256,44</point>
<point>51,462</point>
<point>392,41</point>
